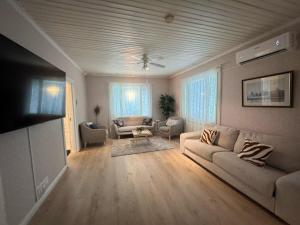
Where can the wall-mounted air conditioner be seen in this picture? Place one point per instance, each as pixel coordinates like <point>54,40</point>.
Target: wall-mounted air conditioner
<point>283,42</point>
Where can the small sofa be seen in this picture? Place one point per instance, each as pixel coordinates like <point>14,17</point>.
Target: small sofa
<point>91,135</point>
<point>130,123</point>
<point>173,126</point>
<point>275,186</point>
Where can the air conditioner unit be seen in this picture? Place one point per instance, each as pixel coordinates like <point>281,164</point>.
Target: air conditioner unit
<point>283,42</point>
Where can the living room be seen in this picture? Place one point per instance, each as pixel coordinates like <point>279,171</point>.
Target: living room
<point>164,101</point>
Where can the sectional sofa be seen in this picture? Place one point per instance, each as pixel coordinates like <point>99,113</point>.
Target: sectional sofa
<point>275,186</point>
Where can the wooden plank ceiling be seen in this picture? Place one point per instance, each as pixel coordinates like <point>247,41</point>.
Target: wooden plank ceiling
<point>105,36</point>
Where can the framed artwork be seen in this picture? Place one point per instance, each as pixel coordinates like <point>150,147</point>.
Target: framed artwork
<point>274,90</point>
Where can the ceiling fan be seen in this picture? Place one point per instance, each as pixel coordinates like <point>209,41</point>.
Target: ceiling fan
<point>146,61</point>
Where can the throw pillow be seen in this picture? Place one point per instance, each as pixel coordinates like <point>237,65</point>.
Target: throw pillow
<point>147,121</point>
<point>171,122</point>
<point>119,123</point>
<point>209,136</point>
<point>255,152</point>
<point>91,125</point>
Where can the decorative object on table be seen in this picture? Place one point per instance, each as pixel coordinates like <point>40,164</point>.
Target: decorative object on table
<point>125,147</point>
<point>140,134</point>
<point>92,136</point>
<point>139,129</point>
<point>174,126</point>
<point>274,90</point>
<point>97,110</point>
<point>167,105</point>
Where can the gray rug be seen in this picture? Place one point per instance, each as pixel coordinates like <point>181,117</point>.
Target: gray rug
<point>125,147</point>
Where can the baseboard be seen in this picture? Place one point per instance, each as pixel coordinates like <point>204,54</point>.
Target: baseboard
<point>38,204</point>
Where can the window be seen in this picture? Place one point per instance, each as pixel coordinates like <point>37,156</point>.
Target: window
<point>200,99</point>
<point>128,99</point>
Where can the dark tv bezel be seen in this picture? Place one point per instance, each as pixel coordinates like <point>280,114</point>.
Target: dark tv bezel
<point>39,118</point>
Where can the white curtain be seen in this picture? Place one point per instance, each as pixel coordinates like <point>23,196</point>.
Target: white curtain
<point>199,103</point>
<point>130,99</point>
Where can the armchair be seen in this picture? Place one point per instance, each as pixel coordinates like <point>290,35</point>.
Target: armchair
<point>92,136</point>
<point>172,127</point>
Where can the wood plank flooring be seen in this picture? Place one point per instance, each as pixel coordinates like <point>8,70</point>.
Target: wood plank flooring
<point>157,188</point>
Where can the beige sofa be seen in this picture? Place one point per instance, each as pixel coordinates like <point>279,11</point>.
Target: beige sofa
<point>275,186</point>
<point>173,126</point>
<point>131,123</point>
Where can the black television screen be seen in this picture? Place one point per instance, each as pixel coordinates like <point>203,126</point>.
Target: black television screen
<point>31,90</point>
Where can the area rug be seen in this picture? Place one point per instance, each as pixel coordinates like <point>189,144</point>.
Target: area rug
<point>125,147</point>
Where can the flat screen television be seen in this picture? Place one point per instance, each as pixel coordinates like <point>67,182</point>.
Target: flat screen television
<point>32,90</point>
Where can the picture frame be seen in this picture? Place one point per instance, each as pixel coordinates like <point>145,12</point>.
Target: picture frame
<point>275,90</point>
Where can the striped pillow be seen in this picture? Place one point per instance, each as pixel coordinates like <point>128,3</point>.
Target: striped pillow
<point>255,153</point>
<point>209,136</point>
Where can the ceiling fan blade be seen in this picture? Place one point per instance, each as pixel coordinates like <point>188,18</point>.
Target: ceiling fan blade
<point>135,57</point>
<point>158,65</point>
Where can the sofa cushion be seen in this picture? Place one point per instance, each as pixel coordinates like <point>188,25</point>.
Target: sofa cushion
<point>130,128</point>
<point>226,137</point>
<point>132,121</point>
<point>171,122</point>
<point>286,153</point>
<point>164,128</point>
<point>203,150</point>
<point>261,179</point>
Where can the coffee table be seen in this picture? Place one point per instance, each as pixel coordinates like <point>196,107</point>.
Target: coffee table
<point>141,135</point>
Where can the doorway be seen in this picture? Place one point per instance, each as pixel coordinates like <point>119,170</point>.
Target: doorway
<point>69,131</point>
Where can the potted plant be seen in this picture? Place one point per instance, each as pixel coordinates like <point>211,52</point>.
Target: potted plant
<point>167,105</point>
<point>97,112</point>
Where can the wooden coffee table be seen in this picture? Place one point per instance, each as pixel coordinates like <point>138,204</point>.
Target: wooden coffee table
<point>141,135</point>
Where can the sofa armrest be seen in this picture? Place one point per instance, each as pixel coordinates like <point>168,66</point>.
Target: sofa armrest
<point>189,135</point>
<point>287,204</point>
<point>113,130</point>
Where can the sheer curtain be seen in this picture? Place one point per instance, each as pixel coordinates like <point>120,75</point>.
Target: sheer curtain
<point>200,99</point>
<point>130,99</point>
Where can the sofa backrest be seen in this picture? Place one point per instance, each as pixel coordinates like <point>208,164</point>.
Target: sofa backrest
<point>286,154</point>
<point>227,136</point>
<point>132,121</point>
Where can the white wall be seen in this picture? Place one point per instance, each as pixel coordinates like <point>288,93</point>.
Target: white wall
<point>278,121</point>
<point>36,152</point>
<point>98,93</point>
<point>3,220</point>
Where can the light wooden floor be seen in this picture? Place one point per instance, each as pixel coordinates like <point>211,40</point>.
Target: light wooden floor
<point>158,188</point>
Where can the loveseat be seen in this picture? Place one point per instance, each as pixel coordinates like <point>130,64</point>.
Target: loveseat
<point>129,124</point>
<point>275,186</point>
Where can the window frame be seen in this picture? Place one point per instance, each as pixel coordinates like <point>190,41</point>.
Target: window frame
<point>149,87</point>
<point>219,92</point>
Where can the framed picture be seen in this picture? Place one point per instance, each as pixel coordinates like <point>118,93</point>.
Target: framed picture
<point>274,90</point>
